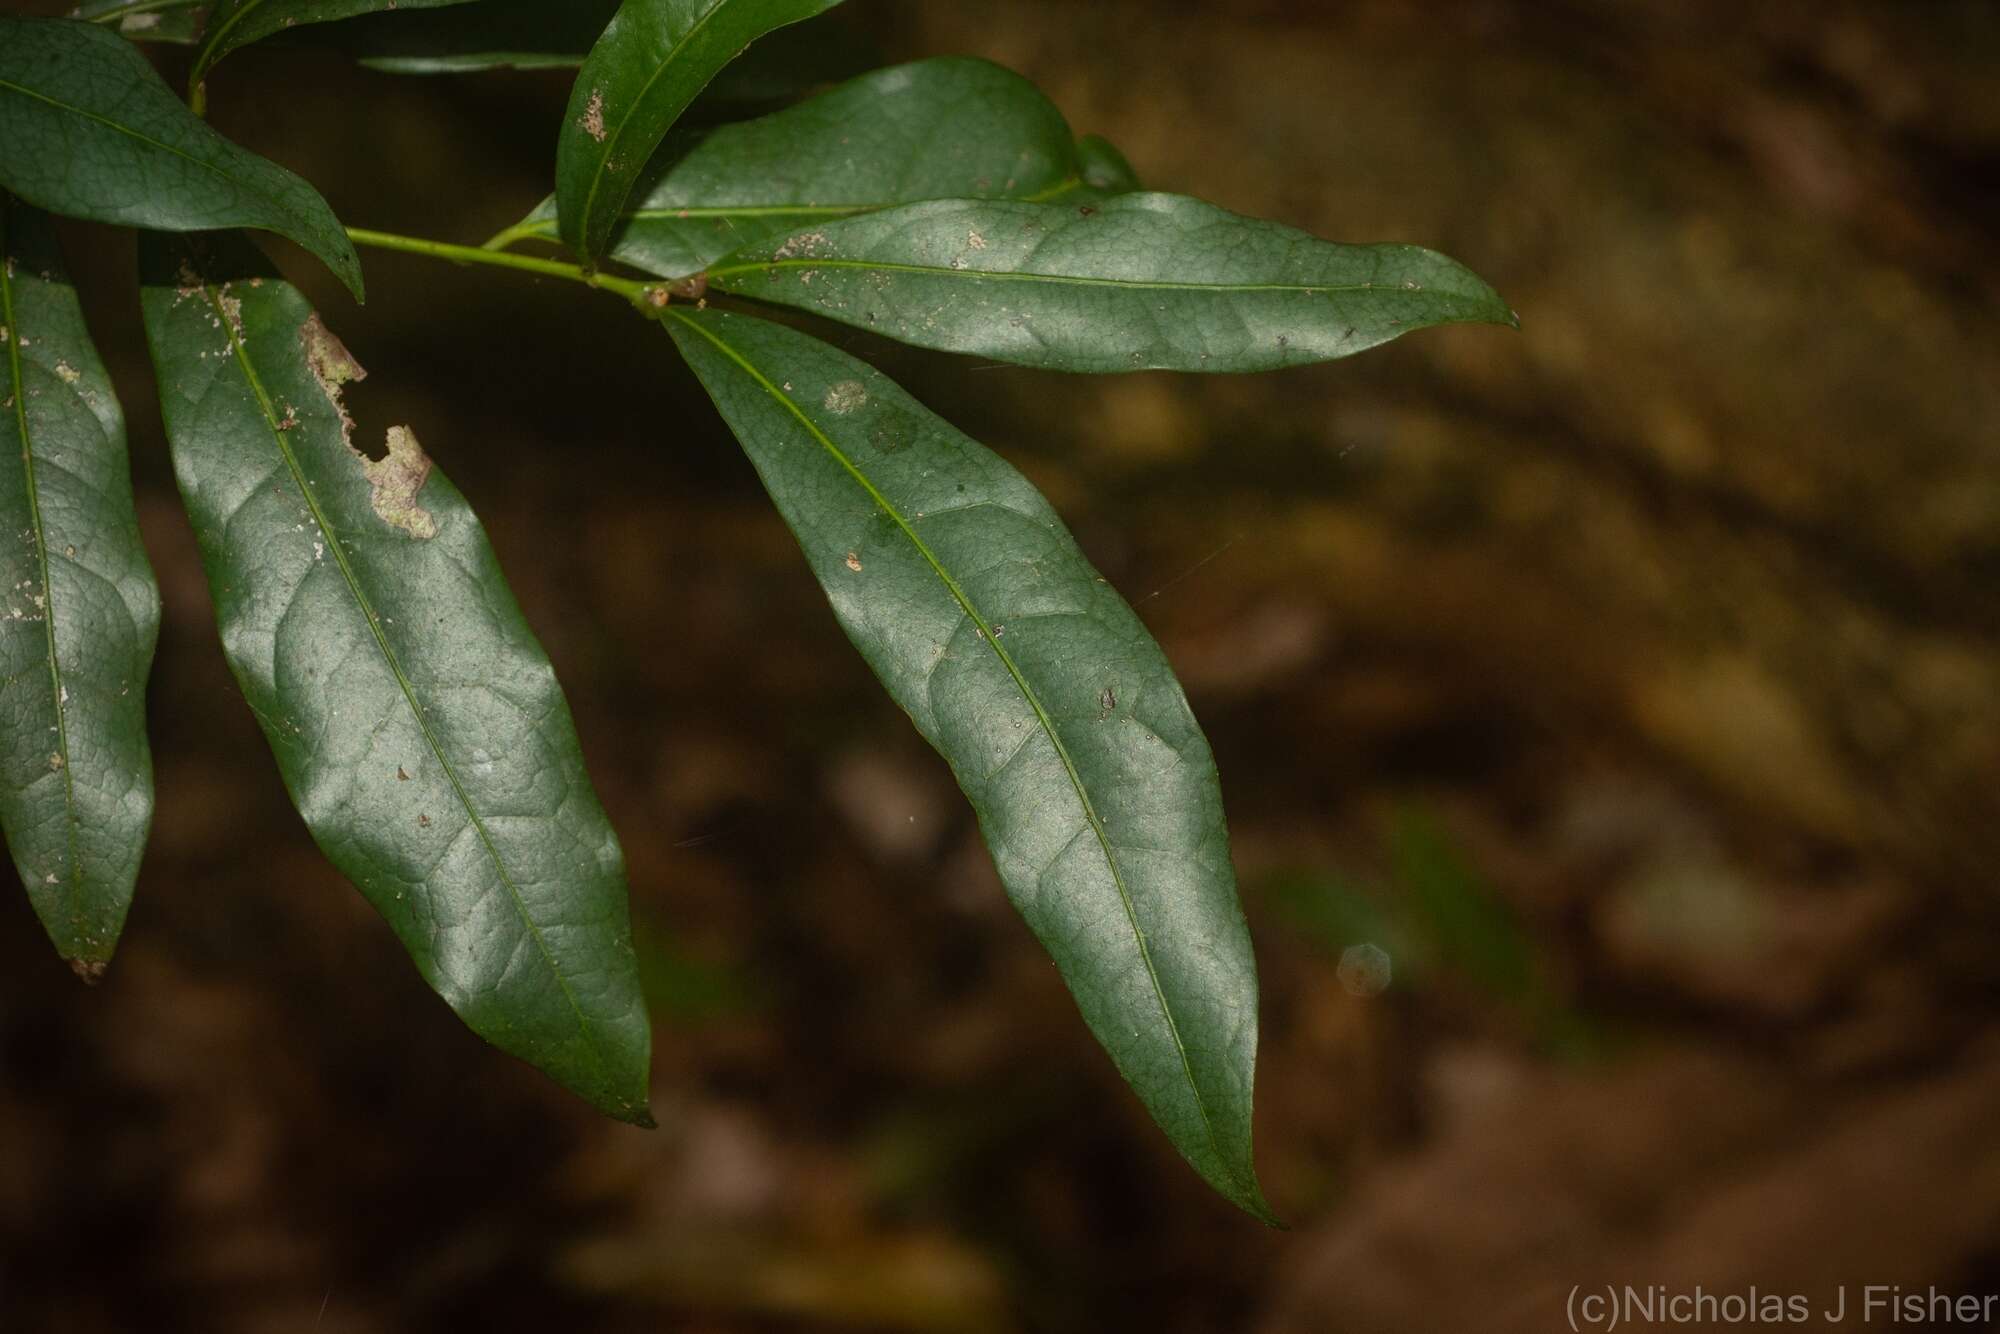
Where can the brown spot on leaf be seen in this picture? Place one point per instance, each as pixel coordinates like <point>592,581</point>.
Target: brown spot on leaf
<point>332,365</point>
<point>395,480</point>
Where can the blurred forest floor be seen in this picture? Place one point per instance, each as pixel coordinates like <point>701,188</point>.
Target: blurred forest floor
<point>1634,681</point>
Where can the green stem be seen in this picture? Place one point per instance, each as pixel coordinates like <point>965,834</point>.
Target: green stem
<point>646,296</point>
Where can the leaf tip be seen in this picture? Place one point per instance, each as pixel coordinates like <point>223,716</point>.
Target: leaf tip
<point>89,971</point>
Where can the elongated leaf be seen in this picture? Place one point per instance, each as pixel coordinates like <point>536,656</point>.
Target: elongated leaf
<point>88,130</point>
<point>234,23</point>
<point>867,145</point>
<point>496,34</point>
<point>79,611</point>
<point>416,721</point>
<point>177,21</point>
<point>1133,282</point>
<point>535,34</point>
<point>651,62</point>
<point>1056,710</point>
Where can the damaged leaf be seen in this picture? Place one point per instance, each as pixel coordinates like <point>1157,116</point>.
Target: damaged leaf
<point>652,60</point>
<point>417,723</point>
<point>79,611</point>
<point>867,145</point>
<point>1132,282</point>
<point>1058,713</point>
<point>88,130</point>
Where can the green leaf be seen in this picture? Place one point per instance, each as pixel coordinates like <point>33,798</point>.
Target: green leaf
<point>177,21</point>
<point>534,34</point>
<point>79,611</point>
<point>649,64</point>
<point>417,723</point>
<point>1056,710</point>
<point>497,34</point>
<point>1133,282</point>
<point>88,130</point>
<point>1103,167</point>
<point>234,23</point>
<point>867,145</point>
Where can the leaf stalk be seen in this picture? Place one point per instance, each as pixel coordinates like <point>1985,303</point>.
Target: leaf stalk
<point>646,296</point>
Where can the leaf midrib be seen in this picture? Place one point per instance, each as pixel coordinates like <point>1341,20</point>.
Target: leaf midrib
<point>1020,276</point>
<point>403,682</point>
<point>1027,693</point>
<point>56,689</point>
<point>598,172</point>
<point>208,57</point>
<point>546,228</point>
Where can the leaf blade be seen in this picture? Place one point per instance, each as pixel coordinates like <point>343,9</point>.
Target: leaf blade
<point>175,21</point>
<point>1131,282</point>
<point>416,721</point>
<point>652,60</point>
<point>867,145</point>
<point>76,776</point>
<point>1056,710</point>
<point>237,23</point>
<point>88,130</point>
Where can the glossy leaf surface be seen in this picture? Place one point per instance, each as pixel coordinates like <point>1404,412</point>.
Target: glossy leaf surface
<point>870,144</point>
<point>234,23</point>
<point>177,21</point>
<point>652,60</point>
<point>79,610</point>
<point>1058,713</point>
<point>87,129</point>
<point>417,723</point>
<point>1133,282</point>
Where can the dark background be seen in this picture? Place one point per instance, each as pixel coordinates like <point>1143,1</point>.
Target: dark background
<point>1631,680</point>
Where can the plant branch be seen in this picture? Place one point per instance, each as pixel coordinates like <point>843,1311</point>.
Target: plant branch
<point>646,296</point>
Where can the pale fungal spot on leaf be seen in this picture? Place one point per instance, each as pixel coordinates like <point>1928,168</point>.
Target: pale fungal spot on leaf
<point>67,373</point>
<point>1365,970</point>
<point>592,122</point>
<point>854,562</point>
<point>232,309</point>
<point>396,479</point>
<point>845,397</point>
